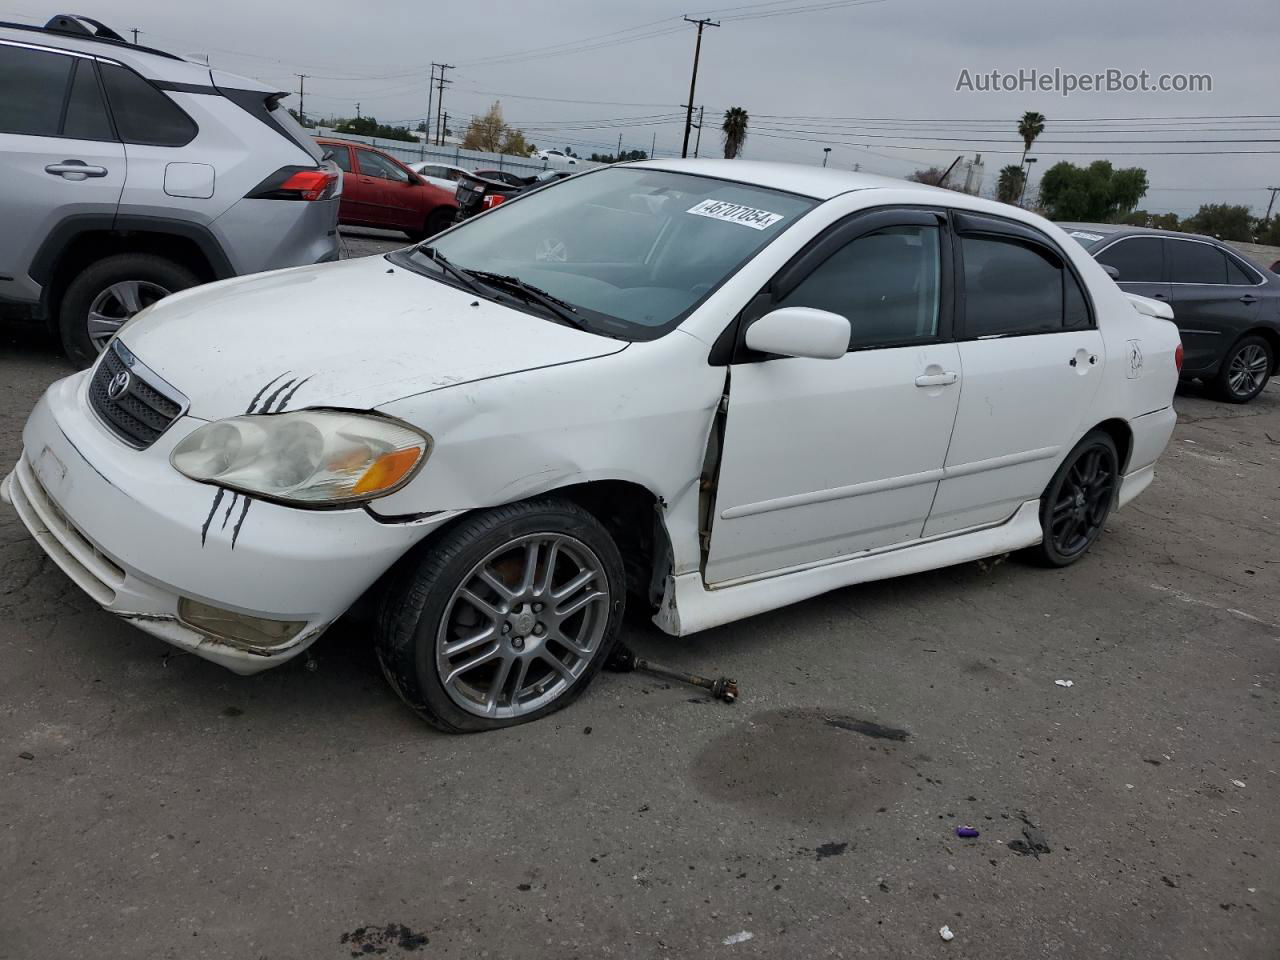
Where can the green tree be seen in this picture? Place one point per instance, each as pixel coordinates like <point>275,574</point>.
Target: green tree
<point>1009,186</point>
<point>1029,127</point>
<point>370,127</point>
<point>1158,221</point>
<point>1269,231</point>
<point>1097,193</point>
<point>624,157</point>
<point>1222,220</point>
<point>734,130</point>
<point>301,119</point>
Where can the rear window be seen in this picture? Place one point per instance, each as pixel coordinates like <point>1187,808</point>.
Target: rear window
<point>1193,262</point>
<point>1011,288</point>
<point>296,131</point>
<point>42,78</point>
<point>142,113</point>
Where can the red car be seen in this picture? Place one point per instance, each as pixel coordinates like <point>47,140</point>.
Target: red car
<point>380,191</point>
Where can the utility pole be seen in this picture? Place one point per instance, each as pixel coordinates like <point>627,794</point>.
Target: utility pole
<point>431,89</point>
<point>440,84</point>
<point>618,155</point>
<point>1271,203</point>
<point>135,32</point>
<point>693,81</point>
<point>826,154</point>
<point>653,147</point>
<point>697,144</point>
<point>357,109</point>
<point>302,97</point>
<point>445,126</point>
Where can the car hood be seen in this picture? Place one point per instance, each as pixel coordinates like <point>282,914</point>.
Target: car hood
<point>354,334</point>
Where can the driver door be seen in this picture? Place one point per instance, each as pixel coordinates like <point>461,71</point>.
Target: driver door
<point>390,198</point>
<point>822,459</point>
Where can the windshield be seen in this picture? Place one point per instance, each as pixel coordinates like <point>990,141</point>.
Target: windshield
<point>630,249</point>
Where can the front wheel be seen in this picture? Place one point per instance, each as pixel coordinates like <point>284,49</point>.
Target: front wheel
<point>1078,500</point>
<point>1244,370</point>
<point>504,618</point>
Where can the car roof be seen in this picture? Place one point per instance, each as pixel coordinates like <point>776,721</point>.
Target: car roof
<point>1117,230</point>
<point>820,183</point>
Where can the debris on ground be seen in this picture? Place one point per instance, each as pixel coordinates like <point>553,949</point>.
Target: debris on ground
<point>28,755</point>
<point>1032,843</point>
<point>832,849</point>
<point>624,660</point>
<point>1065,683</point>
<point>867,728</point>
<point>1239,783</point>
<point>741,937</point>
<point>946,934</point>
<point>967,831</point>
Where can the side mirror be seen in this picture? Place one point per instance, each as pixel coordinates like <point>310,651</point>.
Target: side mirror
<point>1112,272</point>
<point>801,332</point>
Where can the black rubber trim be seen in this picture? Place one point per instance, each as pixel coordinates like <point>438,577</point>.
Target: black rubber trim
<point>61,236</point>
<point>52,34</point>
<point>258,104</point>
<point>206,88</point>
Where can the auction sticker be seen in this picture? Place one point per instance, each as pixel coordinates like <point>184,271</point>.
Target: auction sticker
<point>1085,236</point>
<point>735,213</point>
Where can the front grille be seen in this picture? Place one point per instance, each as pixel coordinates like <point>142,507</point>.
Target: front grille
<point>144,406</point>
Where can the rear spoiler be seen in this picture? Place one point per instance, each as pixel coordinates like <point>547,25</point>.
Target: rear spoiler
<point>1151,308</point>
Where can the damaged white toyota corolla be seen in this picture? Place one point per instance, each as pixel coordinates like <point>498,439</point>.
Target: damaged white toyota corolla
<point>711,387</point>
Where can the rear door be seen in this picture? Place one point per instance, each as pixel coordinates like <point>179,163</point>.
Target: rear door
<point>59,156</point>
<point>1213,302</point>
<point>825,458</point>
<point>1140,261</point>
<point>1032,360</point>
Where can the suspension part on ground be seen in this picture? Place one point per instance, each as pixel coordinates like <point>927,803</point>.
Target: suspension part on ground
<point>624,660</point>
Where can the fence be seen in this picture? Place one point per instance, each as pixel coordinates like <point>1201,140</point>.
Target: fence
<point>422,152</point>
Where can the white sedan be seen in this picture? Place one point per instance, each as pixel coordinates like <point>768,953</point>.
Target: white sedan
<point>744,385</point>
<point>443,175</point>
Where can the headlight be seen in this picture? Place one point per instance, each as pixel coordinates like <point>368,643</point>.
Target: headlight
<point>318,457</point>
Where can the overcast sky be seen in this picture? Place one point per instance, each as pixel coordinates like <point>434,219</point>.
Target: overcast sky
<point>563,72</point>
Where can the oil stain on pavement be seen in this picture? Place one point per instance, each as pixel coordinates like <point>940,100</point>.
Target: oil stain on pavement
<point>808,766</point>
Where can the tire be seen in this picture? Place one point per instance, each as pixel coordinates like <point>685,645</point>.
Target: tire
<point>499,671</point>
<point>110,291</point>
<point>1079,499</point>
<point>1244,371</point>
<point>438,221</point>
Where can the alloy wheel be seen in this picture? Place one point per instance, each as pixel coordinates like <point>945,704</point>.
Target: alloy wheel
<point>522,626</point>
<point>1247,370</point>
<point>1083,501</point>
<point>117,304</point>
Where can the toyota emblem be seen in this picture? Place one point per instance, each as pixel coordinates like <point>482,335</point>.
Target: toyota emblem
<point>119,384</point>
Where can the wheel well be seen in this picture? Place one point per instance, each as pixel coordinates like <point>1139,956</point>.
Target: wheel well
<point>93,245</point>
<point>1272,338</point>
<point>629,512</point>
<point>1121,435</point>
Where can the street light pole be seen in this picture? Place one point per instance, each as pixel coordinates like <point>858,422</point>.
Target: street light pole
<point>693,81</point>
<point>826,153</point>
<point>1026,175</point>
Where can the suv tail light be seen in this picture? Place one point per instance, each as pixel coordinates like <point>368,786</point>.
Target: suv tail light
<point>298,183</point>
<point>1177,357</point>
<point>492,200</point>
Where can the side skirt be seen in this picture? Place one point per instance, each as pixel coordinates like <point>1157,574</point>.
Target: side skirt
<point>688,605</point>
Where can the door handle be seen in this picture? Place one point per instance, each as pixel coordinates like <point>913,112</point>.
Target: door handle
<point>75,170</point>
<point>1159,296</point>
<point>936,379</point>
<point>1248,298</point>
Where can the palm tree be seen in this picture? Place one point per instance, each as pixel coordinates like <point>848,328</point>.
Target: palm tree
<point>735,131</point>
<point>1029,127</point>
<point>1009,185</point>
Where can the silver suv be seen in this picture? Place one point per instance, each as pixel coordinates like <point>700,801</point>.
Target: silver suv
<point>128,173</point>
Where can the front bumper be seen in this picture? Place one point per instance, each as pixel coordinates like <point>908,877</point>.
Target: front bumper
<point>137,536</point>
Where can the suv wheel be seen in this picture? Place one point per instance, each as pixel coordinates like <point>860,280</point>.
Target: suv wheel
<point>1244,370</point>
<point>503,619</point>
<point>107,293</point>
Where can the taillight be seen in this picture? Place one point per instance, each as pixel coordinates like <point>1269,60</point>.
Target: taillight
<point>297,183</point>
<point>492,200</point>
<point>1177,357</point>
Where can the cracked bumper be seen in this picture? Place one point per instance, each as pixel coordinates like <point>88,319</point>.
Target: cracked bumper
<point>137,536</point>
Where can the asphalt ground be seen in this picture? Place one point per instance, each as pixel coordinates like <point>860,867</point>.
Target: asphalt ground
<point>154,805</point>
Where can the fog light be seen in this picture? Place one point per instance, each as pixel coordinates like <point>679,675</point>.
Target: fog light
<point>256,634</point>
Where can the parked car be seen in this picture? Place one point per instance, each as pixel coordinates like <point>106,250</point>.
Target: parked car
<point>557,156</point>
<point>380,191</point>
<point>131,173</point>
<point>444,175</point>
<point>478,192</point>
<point>746,384</point>
<point>1227,310</point>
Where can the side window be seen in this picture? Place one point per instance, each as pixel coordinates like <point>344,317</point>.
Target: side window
<point>1238,275</point>
<point>1138,259</point>
<point>142,113</point>
<point>86,117</point>
<point>1192,262</point>
<point>375,165</point>
<point>1016,288</point>
<point>341,156</point>
<point>886,283</point>
<point>42,79</point>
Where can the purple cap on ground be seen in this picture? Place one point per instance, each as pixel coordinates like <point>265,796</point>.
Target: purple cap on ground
<point>966,831</point>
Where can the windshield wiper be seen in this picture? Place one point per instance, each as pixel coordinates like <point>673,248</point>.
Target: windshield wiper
<point>529,293</point>
<point>468,279</point>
